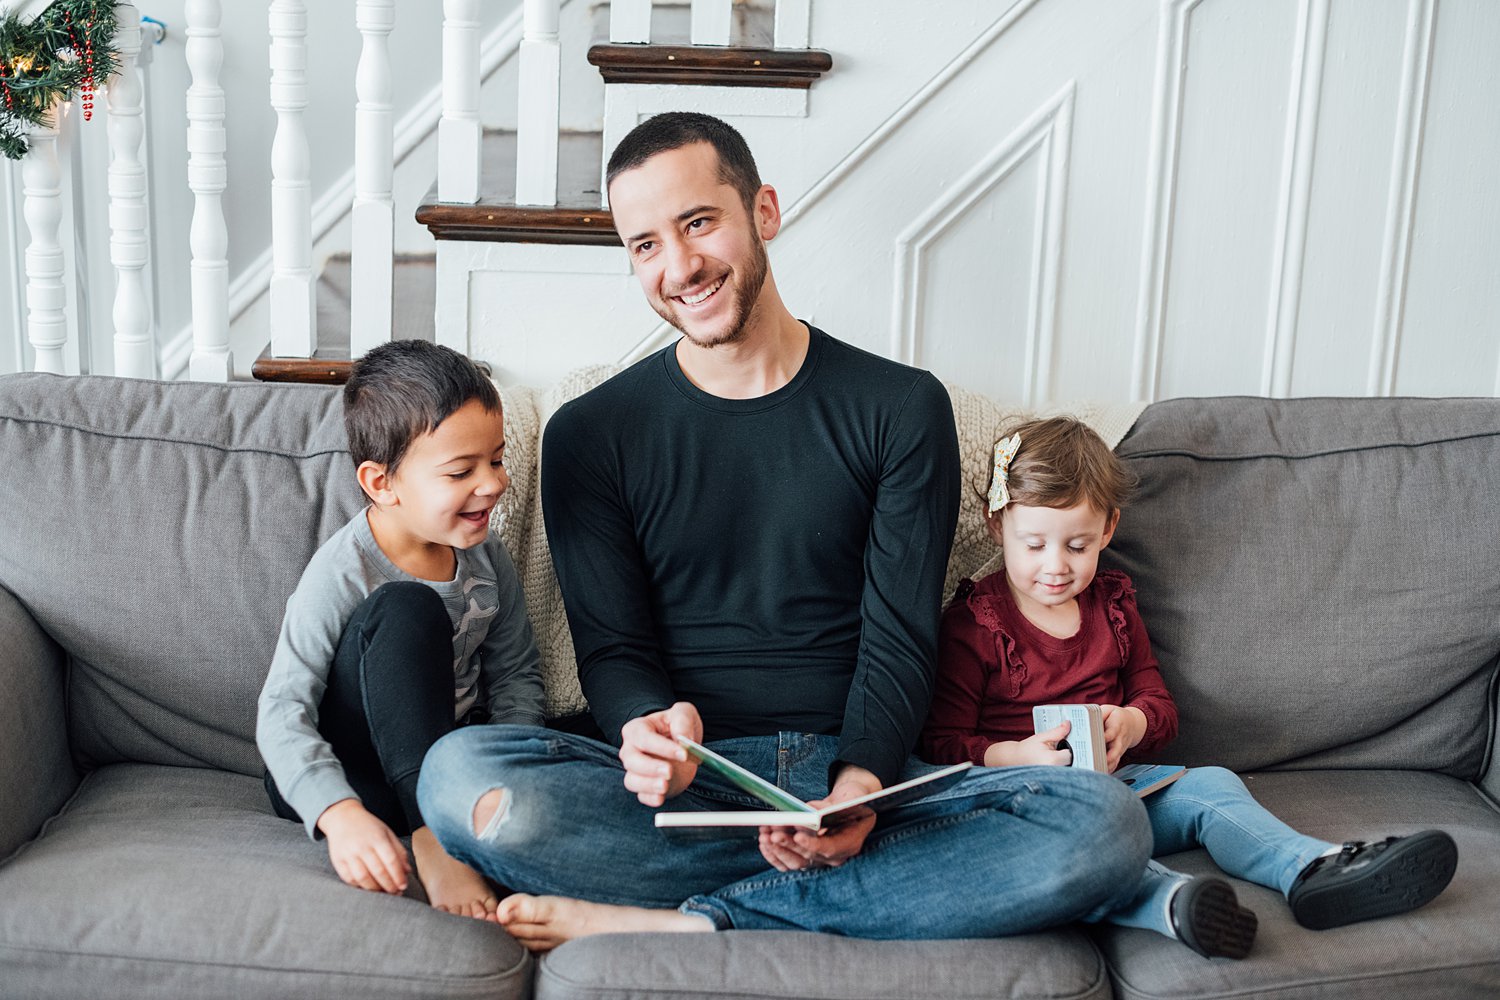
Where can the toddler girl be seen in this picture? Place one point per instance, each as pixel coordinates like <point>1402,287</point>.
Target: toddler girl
<point>1050,628</point>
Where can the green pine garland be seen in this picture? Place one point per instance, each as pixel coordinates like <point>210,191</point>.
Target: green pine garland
<point>47,59</point>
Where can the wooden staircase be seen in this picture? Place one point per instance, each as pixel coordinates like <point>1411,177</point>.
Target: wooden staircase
<point>577,218</point>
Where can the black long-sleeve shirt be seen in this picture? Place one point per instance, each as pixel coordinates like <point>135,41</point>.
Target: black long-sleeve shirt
<point>776,561</point>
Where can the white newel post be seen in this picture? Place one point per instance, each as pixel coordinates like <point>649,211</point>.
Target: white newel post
<point>207,177</point>
<point>711,21</point>
<point>373,217</point>
<point>459,131</point>
<point>41,175</point>
<point>793,19</point>
<point>630,21</point>
<point>135,354</point>
<point>536,129</point>
<point>293,330</point>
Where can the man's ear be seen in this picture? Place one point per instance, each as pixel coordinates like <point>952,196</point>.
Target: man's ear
<point>767,213</point>
<point>376,483</point>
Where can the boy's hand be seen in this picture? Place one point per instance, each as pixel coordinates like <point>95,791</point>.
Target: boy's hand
<point>364,851</point>
<point>656,768</point>
<point>1038,749</point>
<point>791,849</point>
<point>1123,729</point>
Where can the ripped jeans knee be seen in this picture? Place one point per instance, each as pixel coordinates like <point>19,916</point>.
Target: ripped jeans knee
<point>489,812</point>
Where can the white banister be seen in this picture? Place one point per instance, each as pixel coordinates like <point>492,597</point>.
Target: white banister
<point>793,21</point>
<point>293,327</point>
<point>712,20</point>
<point>373,216</point>
<point>629,21</point>
<point>537,96</point>
<point>459,132</point>
<point>134,350</point>
<point>207,177</point>
<point>46,324</point>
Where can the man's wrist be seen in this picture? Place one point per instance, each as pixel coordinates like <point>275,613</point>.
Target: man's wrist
<point>860,779</point>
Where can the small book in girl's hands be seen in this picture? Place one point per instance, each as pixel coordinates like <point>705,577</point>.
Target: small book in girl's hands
<point>1086,739</point>
<point>786,809</point>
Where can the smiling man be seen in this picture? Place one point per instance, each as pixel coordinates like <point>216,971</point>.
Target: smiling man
<point>751,529</point>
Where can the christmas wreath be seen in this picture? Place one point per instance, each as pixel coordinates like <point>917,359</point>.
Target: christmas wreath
<point>66,49</point>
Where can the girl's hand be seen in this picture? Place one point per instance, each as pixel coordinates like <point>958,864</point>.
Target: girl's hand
<point>364,851</point>
<point>1038,749</point>
<point>1123,729</point>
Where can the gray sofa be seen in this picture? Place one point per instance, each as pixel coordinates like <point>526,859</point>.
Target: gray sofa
<point>1321,578</point>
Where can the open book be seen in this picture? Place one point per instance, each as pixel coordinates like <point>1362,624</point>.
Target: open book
<point>1086,739</point>
<point>786,809</point>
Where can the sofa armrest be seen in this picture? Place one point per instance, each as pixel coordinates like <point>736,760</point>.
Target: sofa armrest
<point>1489,778</point>
<point>36,770</point>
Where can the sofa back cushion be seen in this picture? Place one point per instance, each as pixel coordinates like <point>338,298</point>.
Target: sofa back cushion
<point>155,531</point>
<point>1320,577</point>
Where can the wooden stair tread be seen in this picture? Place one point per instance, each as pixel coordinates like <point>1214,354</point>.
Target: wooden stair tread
<point>576,219</point>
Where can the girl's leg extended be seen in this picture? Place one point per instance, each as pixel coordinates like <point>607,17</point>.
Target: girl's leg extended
<point>547,812</point>
<point>1210,807</point>
<point>1008,850</point>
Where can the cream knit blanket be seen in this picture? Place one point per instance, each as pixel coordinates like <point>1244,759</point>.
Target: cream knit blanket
<point>518,519</point>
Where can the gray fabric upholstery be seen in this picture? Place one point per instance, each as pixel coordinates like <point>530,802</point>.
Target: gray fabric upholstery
<point>1446,949</point>
<point>36,773</point>
<point>187,886</point>
<point>776,965</point>
<point>1319,577</point>
<point>155,530</point>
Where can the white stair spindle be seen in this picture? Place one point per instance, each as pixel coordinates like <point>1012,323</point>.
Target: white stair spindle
<point>629,21</point>
<point>373,217</point>
<point>711,21</point>
<point>793,20</point>
<point>134,351</point>
<point>46,324</point>
<point>207,177</point>
<point>293,327</point>
<point>459,131</point>
<point>537,94</point>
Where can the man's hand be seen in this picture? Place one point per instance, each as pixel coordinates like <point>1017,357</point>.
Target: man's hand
<point>1040,748</point>
<point>656,768</point>
<point>364,851</point>
<point>1123,729</point>
<point>789,849</point>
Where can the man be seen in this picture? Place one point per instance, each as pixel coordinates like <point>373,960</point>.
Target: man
<point>751,529</point>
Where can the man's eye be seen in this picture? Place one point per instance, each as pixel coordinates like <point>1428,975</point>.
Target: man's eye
<point>697,223</point>
<point>641,248</point>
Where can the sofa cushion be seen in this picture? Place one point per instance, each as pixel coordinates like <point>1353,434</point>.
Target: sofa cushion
<point>777,965</point>
<point>1320,577</point>
<point>1445,949</point>
<point>155,530</point>
<point>169,882</point>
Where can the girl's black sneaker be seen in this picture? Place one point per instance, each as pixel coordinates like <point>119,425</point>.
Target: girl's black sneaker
<point>1368,880</point>
<point>1209,919</point>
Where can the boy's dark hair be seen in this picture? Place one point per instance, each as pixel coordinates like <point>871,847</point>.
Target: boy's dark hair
<point>1060,462</point>
<point>675,129</point>
<point>403,389</point>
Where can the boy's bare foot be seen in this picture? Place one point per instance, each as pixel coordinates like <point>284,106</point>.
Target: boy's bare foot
<point>451,885</point>
<point>541,923</point>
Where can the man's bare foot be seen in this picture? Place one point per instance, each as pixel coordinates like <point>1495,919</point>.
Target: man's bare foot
<point>541,923</point>
<point>451,885</point>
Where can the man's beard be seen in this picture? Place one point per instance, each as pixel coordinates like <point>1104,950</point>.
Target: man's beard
<point>749,291</point>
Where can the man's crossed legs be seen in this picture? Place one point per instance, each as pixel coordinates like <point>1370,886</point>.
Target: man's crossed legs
<point>1007,850</point>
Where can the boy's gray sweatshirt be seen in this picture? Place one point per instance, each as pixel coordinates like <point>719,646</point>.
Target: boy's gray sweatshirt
<point>495,659</point>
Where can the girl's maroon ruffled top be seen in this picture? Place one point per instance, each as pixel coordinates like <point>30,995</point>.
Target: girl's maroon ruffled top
<point>994,665</point>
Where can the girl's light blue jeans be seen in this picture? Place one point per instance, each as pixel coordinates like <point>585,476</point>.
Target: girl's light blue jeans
<point>1210,807</point>
<point>1004,851</point>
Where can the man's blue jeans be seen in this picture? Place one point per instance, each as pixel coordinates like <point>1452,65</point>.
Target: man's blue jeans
<point>1005,851</point>
<point>1210,807</point>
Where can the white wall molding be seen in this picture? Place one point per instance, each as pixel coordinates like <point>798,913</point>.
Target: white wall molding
<point>1161,175</point>
<point>1296,196</point>
<point>334,205</point>
<point>1411,117</point>
<point>1046,134</point>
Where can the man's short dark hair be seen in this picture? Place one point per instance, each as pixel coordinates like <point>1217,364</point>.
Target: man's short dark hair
<point>403,389</point>
<point>676,129</point>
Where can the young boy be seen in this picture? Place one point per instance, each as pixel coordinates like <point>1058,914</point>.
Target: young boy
<point>407,623</point>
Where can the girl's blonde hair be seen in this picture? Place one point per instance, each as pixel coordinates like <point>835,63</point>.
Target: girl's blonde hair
<point>1062,461</point>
